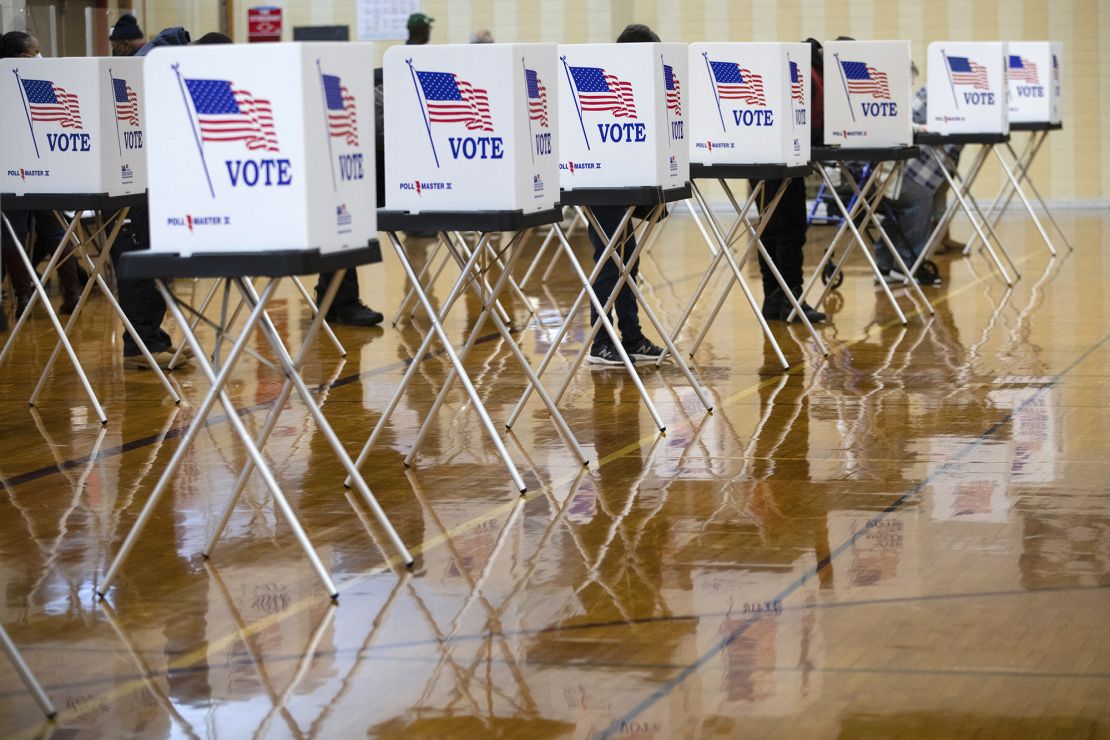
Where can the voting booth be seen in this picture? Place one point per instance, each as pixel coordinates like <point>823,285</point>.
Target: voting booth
<point>622,115</point>
<point>967,88</point>
<point>1033,77</point>
<point>73,126</point>
<point>471,127</point>
<point>261,148</point>
<point>867,94</point>
<point>749,103</point>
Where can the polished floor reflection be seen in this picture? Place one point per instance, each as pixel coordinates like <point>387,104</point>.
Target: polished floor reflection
<point>908,538</point>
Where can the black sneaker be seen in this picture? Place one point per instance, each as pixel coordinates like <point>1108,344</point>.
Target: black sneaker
<point>604,353</point>
<point>643,351</point>
<point>927,274</point>
<point>354,314</point>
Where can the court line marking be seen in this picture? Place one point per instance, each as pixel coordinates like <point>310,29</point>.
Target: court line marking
<point>393,564</point>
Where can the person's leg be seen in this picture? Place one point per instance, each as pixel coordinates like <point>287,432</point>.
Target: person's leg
<point>785,238</point>
<point>609,218</point>
<point>140,299</point>
<point>22,285</point>
<point>346,308</point>
<point>48,233</point>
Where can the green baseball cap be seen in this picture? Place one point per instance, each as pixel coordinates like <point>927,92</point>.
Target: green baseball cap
<point>419,20</point>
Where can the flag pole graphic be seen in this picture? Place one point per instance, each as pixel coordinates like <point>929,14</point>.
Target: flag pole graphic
<point>951,82</point>
<point>327,125</point>
<point>192,125</point>
<point>423,112</point>
<point>574,97</point>
<point>27,111</point>
<point>115,104</point>
<point>666,102</point>
<point>528,110</point>
<point>844,79</point>
<point>716,94</point>
<point>790,79</point>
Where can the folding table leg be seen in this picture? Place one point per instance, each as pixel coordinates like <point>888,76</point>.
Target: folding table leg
<point>985,223</point>
<point>315,310</point>
<point>958,192</point>
<point>1024,200</point>
<point>25,674</point>
<point>437,327</point>
<point>1026,164</point>
<point>946,218</point>
<point>428,262</point>
<point>217,383</point>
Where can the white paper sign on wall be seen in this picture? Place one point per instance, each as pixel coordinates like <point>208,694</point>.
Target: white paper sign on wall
<point>867,94</point>
<point>72,126</point>
<point>749,103</point>
<point>622,115</point>
<point>470,127</point>
<point>260,148</point>
<point>1033,75</point>
<point>967,87</point>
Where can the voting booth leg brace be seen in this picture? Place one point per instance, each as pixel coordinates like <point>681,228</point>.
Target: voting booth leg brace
<point>721,247</point>
<point>1012,187</point>
<point>25,674</point>
<point>217,382</point>
<point>579,219</point>
<point>867,198</point>
<point>624,278</point>
<point>964,200</point>
<point>75,231</point>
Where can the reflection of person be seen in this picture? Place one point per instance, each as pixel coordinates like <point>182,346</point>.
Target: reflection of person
<point>640,349</point>
<point>17,44</point>
<point>126,37</point>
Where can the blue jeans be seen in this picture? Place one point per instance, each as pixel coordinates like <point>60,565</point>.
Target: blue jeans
<point>913,220</point>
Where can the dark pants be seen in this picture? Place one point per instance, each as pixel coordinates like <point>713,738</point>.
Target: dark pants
<point>628,313</point>
<point>48,233</point>
<point>140,299</point>
<point>348,288</point>
<point>785,234</point>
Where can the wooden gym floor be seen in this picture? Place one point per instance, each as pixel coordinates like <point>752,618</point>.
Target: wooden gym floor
<point>910,538</point>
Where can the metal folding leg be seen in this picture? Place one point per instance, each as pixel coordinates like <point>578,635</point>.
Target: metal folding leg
<point>579,218</point>
<point>217,382</point>
<point>291,368</point>
<point>25,674</point>
<point>1016,184</point>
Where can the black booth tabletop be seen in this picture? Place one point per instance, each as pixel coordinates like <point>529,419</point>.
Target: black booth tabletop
<point>748,171</point>
<point>873,154</point>
<point>1036,126</point>
<point>71,201</point>
<point>483,221</point>
<point>637,196</point>
<point>279,263</point>
<point>933,139</point>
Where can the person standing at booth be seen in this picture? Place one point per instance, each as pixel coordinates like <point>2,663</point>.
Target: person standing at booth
<point>785,234</point>
<point>126,37</point>
<point>639,348</point>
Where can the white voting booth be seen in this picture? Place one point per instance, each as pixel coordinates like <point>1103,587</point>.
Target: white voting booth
<point>1033,76</point>
<point>750,103</point>
<point>867,94</point>
<point>967,88</point>
<point>622,115</point>
<point>72,126</point>
<point>261,148</point>
<point>471,128</point>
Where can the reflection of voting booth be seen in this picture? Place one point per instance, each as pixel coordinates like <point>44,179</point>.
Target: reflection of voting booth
<point>749,121</point>
<point>74,141</point>
<point>622,144</point>
<point>470,147</point>
<point>867,119</point>
<point>261,164</point>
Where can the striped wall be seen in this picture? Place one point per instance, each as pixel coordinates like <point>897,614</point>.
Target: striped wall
<point>1074,165</point>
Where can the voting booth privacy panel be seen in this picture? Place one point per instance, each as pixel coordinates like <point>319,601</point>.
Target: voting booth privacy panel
<point>749,103</point>
<point>967,88</point>
<point>471,127</point>
<point>623,110</point>
<point>1033,76</point>
<point>867,94</point>
<point>72,126</point>
<point>261,148</point>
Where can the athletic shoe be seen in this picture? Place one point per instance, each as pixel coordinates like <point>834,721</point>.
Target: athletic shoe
<point>643,351</point>
<point>604,353</point>
<point>927,274</point>
<point>138,362</point>
<point>354,314</point>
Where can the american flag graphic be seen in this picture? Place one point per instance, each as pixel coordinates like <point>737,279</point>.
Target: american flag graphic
<point>865,80</point>
<point>537,98</point>
<point>127,102</point>
<point>226,113</point>
<point>1022,70</point>
<point>674,89</point>
<point>736,83</point>
<point>52,104</point>
<point>601,91</point>
<point>966,72</point>
<point>796,87</point>
<point>451,100</point>
<point>342,113</point>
